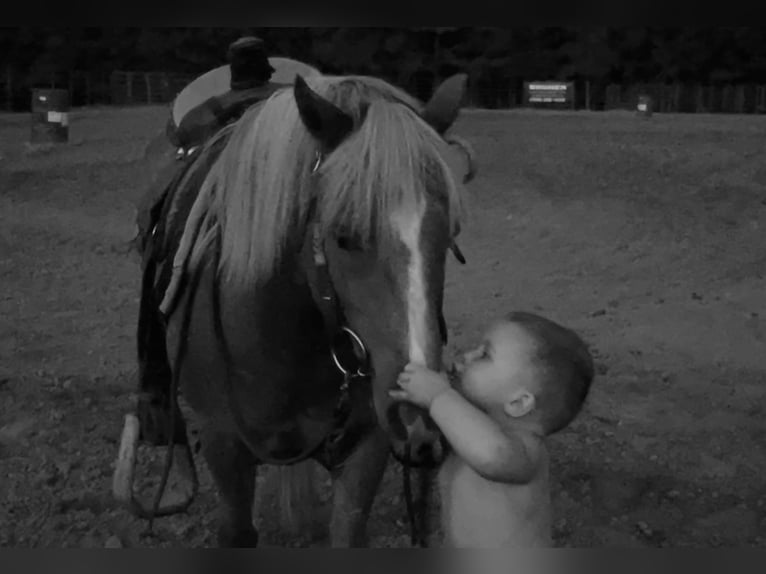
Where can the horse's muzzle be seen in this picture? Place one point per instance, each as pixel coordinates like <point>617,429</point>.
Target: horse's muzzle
<point>418,442</point>
<point>426,455</point>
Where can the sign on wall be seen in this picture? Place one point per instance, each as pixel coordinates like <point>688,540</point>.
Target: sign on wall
<point>549,93</point>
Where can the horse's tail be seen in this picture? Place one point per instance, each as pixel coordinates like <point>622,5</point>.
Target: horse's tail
<point>299,498</point>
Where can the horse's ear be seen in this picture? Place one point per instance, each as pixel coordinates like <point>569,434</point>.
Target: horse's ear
<point>441,110</point>
<point>324,120</point>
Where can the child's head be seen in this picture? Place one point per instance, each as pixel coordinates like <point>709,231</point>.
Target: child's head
<point>529,367</point>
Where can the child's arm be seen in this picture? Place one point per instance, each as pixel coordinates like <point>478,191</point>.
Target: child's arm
<point>481,443</point>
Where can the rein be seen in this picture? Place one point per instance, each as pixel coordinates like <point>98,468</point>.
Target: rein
<point>418,522</point>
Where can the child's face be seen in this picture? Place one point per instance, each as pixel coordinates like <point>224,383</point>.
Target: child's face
<point>499,369</point>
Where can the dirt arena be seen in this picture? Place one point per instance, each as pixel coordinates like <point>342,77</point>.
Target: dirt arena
<point>646,236</point>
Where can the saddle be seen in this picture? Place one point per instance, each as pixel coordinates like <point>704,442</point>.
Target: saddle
<point>203,121</point>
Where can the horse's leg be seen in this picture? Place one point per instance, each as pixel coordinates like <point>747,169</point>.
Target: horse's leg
<point>233,468</point>
<point>354,488</point>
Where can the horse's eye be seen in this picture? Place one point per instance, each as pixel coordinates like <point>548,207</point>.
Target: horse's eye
<point>348,243</point>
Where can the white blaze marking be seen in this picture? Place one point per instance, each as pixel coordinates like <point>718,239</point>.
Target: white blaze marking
<point>408,223</point>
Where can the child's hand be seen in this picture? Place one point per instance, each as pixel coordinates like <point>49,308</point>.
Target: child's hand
<point>419,385</point>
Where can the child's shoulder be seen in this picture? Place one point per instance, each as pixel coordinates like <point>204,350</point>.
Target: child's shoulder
<point>529,447</point>
<point>535,443</point>
<point>531,439</point>
<point>521,460</point>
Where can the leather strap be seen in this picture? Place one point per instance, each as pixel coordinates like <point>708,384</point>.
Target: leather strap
<point>319,279</point>
<point>322,288</point>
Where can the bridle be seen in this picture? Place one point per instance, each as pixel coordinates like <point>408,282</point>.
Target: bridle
<point>335,326</point>
<point>323,291</point>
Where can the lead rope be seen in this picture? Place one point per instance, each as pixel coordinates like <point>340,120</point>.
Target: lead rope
<point>418,528</point>
<point>425,485</point>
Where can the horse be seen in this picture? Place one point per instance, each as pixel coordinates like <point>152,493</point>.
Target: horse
<point>311,271</point>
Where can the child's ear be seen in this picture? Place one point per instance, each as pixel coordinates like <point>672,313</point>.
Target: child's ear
<point>520,405</point>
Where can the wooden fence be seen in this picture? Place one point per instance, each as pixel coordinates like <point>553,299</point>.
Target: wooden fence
<point>90,88</point>
<point>132,88</point>
<point>683,98</point>
<point>666,98</point>
<point>145,87</point>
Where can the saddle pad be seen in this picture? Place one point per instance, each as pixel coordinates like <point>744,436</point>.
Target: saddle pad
<point>176,208</point>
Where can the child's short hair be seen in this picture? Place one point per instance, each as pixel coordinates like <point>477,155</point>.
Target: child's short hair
<point>565,368</point>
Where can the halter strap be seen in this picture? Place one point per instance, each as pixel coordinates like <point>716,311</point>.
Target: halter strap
<point>321,287</point>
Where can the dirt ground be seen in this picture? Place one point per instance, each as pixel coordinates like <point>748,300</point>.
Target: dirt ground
<point>645,235</point>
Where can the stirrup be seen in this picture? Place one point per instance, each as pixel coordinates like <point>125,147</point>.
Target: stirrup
<point>124,474</point>
<point>153,415</point>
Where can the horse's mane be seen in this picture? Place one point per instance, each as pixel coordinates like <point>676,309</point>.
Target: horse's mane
<point>262,185</point>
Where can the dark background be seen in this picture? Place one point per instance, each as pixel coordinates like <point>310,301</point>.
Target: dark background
<point>497,60</point>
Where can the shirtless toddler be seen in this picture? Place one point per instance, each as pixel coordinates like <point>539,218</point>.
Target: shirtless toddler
<point>527,380</point>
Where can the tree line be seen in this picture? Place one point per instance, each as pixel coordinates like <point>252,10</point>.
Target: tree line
<point>496,59</point>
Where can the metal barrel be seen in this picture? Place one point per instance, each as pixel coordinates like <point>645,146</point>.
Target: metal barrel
<point>644,106</point>
<point>50,116</point>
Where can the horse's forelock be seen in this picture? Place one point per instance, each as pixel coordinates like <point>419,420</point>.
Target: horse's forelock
<point>264,182</point>
<point>394,159</point>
